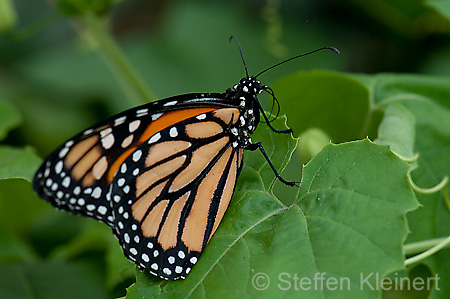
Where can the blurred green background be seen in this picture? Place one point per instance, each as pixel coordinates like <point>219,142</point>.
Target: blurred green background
<point>57,80</point>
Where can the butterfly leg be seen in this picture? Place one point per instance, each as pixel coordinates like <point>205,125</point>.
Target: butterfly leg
<point>267,120</point>
<point>259,146</point>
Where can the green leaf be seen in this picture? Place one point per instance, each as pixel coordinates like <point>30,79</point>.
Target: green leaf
<point>18,163</point>
<point>397,130</point>
<point>355,210</point>
<point>49,280</point>
<point>9,118</point>
<point>348,219</point>
<point>252,202</point>
<point>426,98</point>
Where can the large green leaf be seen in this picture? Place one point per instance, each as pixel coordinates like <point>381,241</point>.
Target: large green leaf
<point>345,220</point>
<point>355,212</point>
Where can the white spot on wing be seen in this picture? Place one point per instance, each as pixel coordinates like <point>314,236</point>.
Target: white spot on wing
<point>108,141</point>
<point>120,120</point>
<point>97,192</point>
<point>88,131</point>
<point>145,258</point>
<point>137,155</point>
<point>59,167</point>
<point>126,238</point>
<point>134,125</point>
<point>173,132</point>
<point>156,116</point>
<point>77,190</point>
<point>171,103</point>
<point>142,112</point>
<point>121,182</point>
<point>105,132</point>
<point>102,210</point>
<point>154,138</point>
<point>66,182</point>
<point>126,189</point>
<point>63,152</point>
<point>127,141</point>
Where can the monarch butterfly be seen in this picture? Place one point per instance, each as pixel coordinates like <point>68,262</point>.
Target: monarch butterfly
<point>161,175</point>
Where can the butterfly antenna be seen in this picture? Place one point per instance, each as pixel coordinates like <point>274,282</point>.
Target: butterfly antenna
<point>295,57</point>
<point>274,101</point>
<point>240,51</point>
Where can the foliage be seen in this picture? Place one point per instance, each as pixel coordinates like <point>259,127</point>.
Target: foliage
<point>362,210</point>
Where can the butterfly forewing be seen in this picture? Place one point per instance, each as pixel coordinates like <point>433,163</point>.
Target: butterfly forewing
<point>171,193</point>
<point>77,175</point>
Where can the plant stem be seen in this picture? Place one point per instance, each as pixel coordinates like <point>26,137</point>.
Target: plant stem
<point>435,244</point>
<point>117,60</point>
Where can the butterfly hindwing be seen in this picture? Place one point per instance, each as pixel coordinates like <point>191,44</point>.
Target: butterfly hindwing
<point>170,194</point>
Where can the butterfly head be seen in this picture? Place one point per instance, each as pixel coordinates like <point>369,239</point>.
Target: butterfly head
<point>250,86</point>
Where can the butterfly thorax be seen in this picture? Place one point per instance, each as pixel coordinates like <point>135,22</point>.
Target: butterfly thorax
<point>245,93</point>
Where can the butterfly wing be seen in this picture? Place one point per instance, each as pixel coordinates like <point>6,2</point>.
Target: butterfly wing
<point>170,195</point>
<point>161,175</point>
